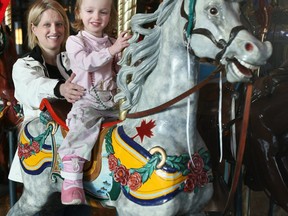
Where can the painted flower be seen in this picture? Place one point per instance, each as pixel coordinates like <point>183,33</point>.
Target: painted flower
<point>112,162</point>
<point>35,147</point>
<point>20,153</point>
<point>190,183</point>
<point>134,181</point>
<point>197,165</point>
<point>202,179</point>
<point>121,175</point>
<point>26,151</point>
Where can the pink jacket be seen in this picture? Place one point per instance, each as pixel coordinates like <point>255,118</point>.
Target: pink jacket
<point>89,55</point>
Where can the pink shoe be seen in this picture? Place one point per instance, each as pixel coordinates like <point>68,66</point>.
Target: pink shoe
<point>72,192</point>
<point>72,189</point>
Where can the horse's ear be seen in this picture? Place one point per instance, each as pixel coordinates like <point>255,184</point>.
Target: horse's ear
<point>3,6</point>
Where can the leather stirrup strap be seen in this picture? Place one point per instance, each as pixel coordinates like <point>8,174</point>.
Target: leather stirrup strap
<point>242,144</point>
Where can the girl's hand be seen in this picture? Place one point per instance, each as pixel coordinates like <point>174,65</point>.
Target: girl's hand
<point>72,92</point>
<point>120,44</point>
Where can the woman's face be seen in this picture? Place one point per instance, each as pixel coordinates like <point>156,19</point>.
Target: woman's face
<point>50,31</point>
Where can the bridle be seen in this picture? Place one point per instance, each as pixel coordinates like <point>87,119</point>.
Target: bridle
<point>221,44</point>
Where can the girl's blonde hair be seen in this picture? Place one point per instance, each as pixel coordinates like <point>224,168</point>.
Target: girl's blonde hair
<point>110,29</point>
<point>34,17</point>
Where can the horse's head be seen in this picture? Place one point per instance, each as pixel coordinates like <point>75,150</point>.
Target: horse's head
<point>216,23</point>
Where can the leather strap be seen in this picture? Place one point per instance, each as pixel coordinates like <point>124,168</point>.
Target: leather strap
<point>177,99</point>
<point>241,148</point>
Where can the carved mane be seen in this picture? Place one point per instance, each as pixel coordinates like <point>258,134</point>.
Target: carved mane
<point>141,57</point>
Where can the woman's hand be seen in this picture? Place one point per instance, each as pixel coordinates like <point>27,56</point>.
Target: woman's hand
<point>72,92</point>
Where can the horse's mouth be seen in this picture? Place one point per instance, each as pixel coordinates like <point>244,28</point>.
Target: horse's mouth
<point>242,68</point>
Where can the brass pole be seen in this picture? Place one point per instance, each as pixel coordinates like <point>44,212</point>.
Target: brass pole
<point>8,16</point>
<point>126,9</point>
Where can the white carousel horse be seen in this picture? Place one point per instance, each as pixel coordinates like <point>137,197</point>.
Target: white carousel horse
<point>156,164</point>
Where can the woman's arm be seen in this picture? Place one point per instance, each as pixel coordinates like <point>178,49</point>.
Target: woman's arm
<point>31,85</point>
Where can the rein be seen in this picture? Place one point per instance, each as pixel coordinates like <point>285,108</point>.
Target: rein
<point>176,99</point>
<point>241,148</point>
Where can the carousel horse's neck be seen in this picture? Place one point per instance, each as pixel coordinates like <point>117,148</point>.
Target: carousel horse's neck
<point>174,74</point>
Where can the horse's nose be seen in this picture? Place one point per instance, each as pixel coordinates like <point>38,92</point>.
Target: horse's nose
<point>253,50</point>
<point>249,47</point>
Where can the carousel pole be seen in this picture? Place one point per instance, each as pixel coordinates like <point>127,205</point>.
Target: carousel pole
<point>126,9</point>
<point>8,16</point>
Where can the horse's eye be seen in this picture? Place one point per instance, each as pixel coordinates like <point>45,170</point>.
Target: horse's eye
<point>213,11</point>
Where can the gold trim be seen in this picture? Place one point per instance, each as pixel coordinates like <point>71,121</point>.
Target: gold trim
<point>126,9</point>
<point>160,150</point>
<point>8,16</point>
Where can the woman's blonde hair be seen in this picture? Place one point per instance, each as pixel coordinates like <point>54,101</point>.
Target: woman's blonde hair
<point>34,17</point>
<point>110,29</point>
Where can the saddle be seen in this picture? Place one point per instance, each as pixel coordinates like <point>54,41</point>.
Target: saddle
<point>58,110</point>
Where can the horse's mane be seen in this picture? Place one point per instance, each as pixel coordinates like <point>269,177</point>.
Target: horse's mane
<point>141,57</point>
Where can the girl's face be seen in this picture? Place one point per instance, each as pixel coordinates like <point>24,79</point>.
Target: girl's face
<point>50,31</point>
<point>95,15</point>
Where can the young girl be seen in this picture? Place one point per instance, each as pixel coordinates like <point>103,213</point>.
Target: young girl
<point>93,56</point>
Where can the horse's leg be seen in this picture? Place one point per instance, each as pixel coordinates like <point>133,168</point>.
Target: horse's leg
<point>37,190</point>
<point>25,205</point>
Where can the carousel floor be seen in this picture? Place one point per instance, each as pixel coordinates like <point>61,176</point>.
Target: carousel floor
<point>259,207</point>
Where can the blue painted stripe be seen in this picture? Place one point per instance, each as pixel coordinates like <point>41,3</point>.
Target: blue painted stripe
<point>151,202</point>
<point>38,171</point>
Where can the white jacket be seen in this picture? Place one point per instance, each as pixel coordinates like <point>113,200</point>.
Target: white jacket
<point>32,82</point>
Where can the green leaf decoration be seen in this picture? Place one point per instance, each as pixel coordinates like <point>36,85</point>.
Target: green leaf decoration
<point>127,189</point>
<point>185,172</point>
<point>178,162</point>
<point>145,177</point>
<point>201,151</point>
<point>181,187</point>
<point>108,144</point>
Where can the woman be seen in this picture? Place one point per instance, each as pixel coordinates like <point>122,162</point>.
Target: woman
<point>42,73</point>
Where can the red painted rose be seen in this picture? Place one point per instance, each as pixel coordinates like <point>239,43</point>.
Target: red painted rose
<point>121,175</point>
<point>197,165</point>
<point>112,162</point>
<point>26,151</point>
<point>134,181</point>
<point>190,183</point>
<point>202,179</point>
<point>35,146</point>
<point>20,153</point>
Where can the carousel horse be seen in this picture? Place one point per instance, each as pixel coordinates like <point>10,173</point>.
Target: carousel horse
<point>9,109</point>
<point>152,162</point>
<point>266,155</point>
